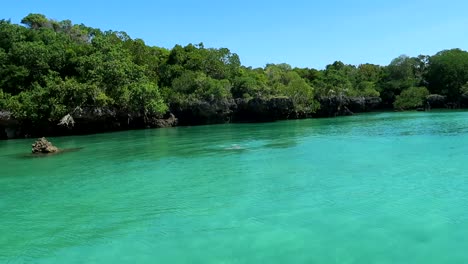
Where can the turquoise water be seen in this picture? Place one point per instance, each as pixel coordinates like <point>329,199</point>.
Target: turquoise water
<point>372,188</point>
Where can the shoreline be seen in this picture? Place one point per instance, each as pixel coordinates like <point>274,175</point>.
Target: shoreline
<point>95,120</point>
<point>81,133</point>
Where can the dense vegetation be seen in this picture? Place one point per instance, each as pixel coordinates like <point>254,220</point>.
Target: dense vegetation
<point>50,68</point>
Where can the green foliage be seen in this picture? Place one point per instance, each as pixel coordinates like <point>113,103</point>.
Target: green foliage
<point>286,82</point>
<point>34,56</point>
<point>310,75</point>
<point>448,72</point>
<point>188,82</point>
<point>368,73</point>
<point>215,90</point>
<point>411,98</point>
<point>49,68</point>
<point>3,57</point>
<point>146,98</point>
<point>10,33</point>
<point>249,84</point>
<point>198,86</point>
<point>35,21</point>
<point>53,67</point>
<point>301,93</point>
<point>337,79</point>
<point>366,89</point>
<point>3,100</point>
<point>401,73</point>
<point>215,63</point>
<point>33,104</point>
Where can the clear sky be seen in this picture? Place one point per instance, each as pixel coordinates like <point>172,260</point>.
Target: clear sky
<point>301,33</point>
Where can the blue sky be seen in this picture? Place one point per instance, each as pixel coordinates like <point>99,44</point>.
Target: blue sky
<point>301,33</point>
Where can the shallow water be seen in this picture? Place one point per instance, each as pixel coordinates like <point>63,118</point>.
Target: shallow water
<point>372,188</point>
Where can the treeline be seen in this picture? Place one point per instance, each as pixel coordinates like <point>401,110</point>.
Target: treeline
<point>50,68</point>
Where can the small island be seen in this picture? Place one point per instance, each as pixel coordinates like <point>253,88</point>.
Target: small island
<point>60,78</point>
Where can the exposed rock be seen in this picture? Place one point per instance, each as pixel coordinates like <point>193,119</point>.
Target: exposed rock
<point>356,104</point>
<point>436,101</point>
<point>363,104</point>
<point>464,100</point>
<point>98,119</point>
<point>5,117</point>
<point>67,121</point>
<point>373,103</point>
<point>86,120</point>
<point>453,105</point>
<point>331,106</point>
<point>239,110</point>
<point>262,109</point>
<point>10,132</point>
<point>8,125</point>
<point>341,105</point>
<point>168,121</point>
<point>281,107</point>
<point>94,114</point>
<point>204,112</point>
<point>3,133</point>
<point>43,146</point>
<point>346,111</point>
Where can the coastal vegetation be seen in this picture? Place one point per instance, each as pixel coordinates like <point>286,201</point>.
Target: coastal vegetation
<point>50,69</point>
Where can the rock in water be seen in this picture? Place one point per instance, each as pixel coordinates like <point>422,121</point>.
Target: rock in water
<point>42,145</point>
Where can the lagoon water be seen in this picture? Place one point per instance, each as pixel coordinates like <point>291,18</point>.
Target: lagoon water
<point>371,188</point>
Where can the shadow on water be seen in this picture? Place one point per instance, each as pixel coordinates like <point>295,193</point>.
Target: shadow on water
<point>241,138</point>
<point>188,142</point>
<point>237,139</point>
<point>44,155</point>
<point>281,145</point>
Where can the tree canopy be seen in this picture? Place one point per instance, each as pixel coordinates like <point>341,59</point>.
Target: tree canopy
<point>48,68</point>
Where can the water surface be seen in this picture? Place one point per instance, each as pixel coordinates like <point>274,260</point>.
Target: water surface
<point>372,188</point>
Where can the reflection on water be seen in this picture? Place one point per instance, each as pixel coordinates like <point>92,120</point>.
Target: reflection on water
<point>45,155</point>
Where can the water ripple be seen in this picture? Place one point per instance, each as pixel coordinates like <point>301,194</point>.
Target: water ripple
<point>363,189</point>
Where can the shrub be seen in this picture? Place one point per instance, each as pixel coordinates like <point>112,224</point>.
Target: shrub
<point>411,98</point>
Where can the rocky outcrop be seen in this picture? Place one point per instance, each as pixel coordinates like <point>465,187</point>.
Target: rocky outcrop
<point>263,109</point>
<point>341,105</point>
<point>87,120</point>
<point>464,100</point>
<point>67,121</point>
<point>8,125</point>
<point>238,110</point>
<point>356,104</point>
<point>43,146</point>
<point>203,112</point>
<point>99,119</point>
<point>333,106</point>
<point>372,103</point>
<point>436,101</point>
<point>92,120</point>
<point>167,121</point>
<point>5,117</point>
<point>363,104</point>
